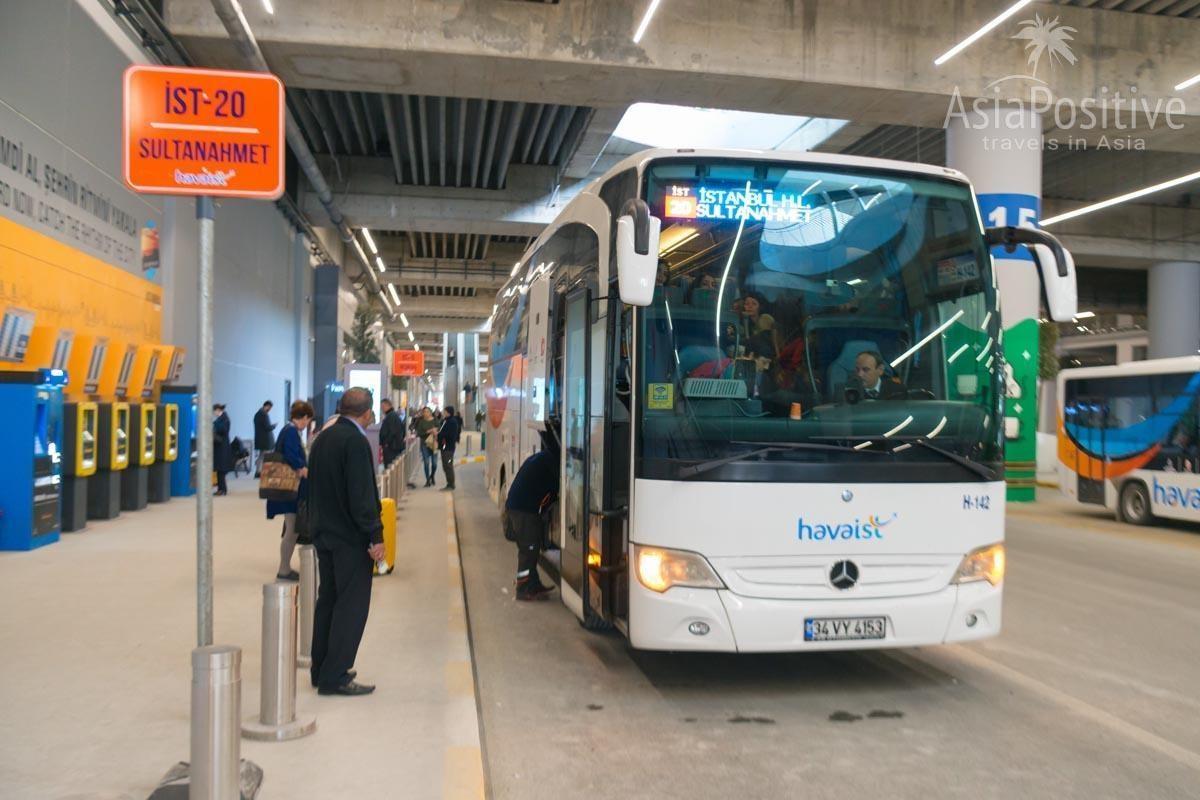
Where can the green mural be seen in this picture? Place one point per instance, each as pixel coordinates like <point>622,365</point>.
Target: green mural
<point>1021,377</point>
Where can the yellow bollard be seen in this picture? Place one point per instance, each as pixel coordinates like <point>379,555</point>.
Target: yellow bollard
<point>388,515</point>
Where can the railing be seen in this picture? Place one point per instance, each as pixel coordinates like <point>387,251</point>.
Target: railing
<point>395,478</point>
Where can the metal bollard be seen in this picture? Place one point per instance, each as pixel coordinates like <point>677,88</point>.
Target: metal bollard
<point>277,719</point>
<point>308,602</point>
<point>216,707</point>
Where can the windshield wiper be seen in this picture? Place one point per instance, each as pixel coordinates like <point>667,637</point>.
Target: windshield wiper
<point>979,469</point>
<point>767,447</point>
<point>974,466</point>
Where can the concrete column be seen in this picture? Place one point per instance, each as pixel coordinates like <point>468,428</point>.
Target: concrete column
<point>1000,151</point>
<point>452,369</point>
<point>1173,302</point>
<point>468,358</point>
<point>325,332</point>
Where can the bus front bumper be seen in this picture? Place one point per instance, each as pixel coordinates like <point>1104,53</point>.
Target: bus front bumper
<point>718,620</point>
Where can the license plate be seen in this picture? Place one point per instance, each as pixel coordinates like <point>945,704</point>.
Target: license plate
<point>831,629</point>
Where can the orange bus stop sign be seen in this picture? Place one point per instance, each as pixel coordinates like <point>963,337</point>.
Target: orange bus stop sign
<point>408,362</point>
<point>203,132</point>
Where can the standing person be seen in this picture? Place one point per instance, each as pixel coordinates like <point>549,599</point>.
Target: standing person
<point>291,446</point>
<point>344,517</point>
<point>427,428</point>
<point>222,448</point>
<point>447,439</point>
<point>533,490</point>
<point>264,436</point>
<point>391,433</point>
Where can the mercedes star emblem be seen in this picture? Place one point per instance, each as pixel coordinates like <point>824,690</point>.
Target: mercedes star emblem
<point>844,575</point>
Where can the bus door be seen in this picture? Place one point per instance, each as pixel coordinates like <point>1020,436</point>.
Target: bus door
<point>1092,416</point>
<point>575,441</point>
<point>591,537</point>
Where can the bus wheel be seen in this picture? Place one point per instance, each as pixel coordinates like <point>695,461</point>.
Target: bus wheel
<point>1135,503</point>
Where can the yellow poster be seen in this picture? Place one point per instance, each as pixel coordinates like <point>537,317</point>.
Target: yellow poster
<point>660,396</point>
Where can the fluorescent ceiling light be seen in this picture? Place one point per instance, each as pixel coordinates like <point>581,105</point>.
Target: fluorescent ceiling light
<point>979,34</point>
<point>395,297</point>
<point>637,37</point>
<point>1189,83</point>
<point>270,8</point>
<point>855,281</point>
<point>370,242</point>
<point>901,358</point>
<point>1084,315</point>
<point>1125,198</point>
<point>411,338</point>
<point>417,347</point>
<point>662,125</point>
<point>404,319</point>
<point>379,263</point>
<point>676,236</point>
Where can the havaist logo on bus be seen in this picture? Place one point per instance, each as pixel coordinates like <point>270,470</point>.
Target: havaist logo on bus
<point>871,528</point>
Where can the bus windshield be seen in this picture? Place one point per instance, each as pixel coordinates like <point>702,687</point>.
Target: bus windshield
<point>816,322</point>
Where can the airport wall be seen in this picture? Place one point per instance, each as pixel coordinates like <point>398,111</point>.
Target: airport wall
<point>119,256</point>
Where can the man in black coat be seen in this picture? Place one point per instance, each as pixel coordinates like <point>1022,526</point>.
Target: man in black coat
<point>222,448</point>
<point>264,436</point>
<point>869,369</point>
<point>344,520</point>
<point>448,436</point>
<point>391,433</point>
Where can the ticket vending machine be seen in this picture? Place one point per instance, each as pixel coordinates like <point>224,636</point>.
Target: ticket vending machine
<point>80,435</point>
<point>84,370</point>
<point>183,468</point>
<point>166,451</point>
<point>31,463</point>
<point>135,480</point>
<point>114,446</point>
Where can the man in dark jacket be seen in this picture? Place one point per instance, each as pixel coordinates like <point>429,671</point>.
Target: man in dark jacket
<point>222,448</point>
<point>264,436</point>
<point>391,433</point>
<point>448,436</point>
<point>344,519</point>
<point>532,492</point>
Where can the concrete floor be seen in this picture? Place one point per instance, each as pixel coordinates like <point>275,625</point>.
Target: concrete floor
<point>1090,692</point>
<point>95,681</point>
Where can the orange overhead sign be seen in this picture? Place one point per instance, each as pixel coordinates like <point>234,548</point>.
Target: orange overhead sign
<point>203,132</point>
<point>408,362</point>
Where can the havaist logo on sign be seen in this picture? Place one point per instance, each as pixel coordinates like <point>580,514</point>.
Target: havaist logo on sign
<point>871,528</point>
<point>1176,496</point>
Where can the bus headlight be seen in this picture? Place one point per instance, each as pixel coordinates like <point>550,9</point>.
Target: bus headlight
<point>658,569</point>
<point>982,564</point>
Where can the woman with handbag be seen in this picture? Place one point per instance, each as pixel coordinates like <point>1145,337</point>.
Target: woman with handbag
<point>289,451</point>
<point>427,430</point>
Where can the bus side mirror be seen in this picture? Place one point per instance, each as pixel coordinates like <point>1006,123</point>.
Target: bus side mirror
<point>1054,263</point>
<point>637,253</point>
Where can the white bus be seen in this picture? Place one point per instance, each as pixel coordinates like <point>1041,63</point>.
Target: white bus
<point>1129,438</point>
<point>707,331</point>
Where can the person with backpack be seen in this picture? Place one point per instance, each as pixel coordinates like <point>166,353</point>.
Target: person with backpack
<point>533,491</point>
<point>447,439</point>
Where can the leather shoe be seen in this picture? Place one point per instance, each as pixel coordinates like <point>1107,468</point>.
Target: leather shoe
<point>350,689</point>
<point>350,674</point>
